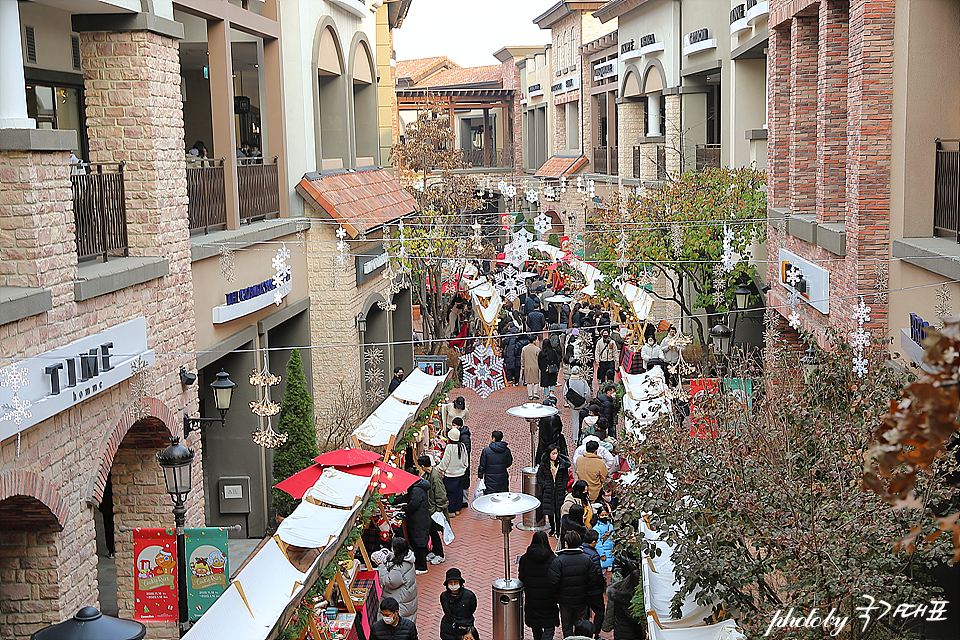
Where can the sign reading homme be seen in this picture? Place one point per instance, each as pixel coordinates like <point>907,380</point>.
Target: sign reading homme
<point>62,378</point>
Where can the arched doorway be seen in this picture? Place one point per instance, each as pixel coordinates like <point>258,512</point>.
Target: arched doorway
<point>376,338</point>
<point>333,120</point>
<point>31,516</point>
<point>129,491</point>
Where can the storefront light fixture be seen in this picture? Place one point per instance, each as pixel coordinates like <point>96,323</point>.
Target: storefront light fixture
<point>222,395</point>
<point>361,322</point>
<point>721,335</point>
<point>741,297</point>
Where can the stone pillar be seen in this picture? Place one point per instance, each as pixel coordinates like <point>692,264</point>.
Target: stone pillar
<point>13,96</point>
<point>135,115</point>
<point>221,106</point>
<point>832,65</point>
<point>778,118</point>
<point>29,582</point>
<point>629,131</point>
<point>803,114</point>
<point>673,134</point>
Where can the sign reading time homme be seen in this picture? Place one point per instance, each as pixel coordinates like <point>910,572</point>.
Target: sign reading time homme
<point>57,380</point>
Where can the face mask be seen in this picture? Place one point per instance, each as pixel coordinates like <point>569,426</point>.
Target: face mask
<point>454,587</point>
<point>554,456</point>
<point>388,619</point>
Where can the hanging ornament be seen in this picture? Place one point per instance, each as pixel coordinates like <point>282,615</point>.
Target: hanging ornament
<point>265,408</point>
<point>373,373</point>
<point>227,263</point>
<point>341,246</point>
<point>542,223</point>
<point>563,184</point>
<point>140,388</point>
<point>509,284</point>
<point>771,336</point>
<point>943,308</point>
<point>579,184</point>
<point>502,187</point>
<point>14,377</point>
<point>532,196</point>
<point>301,237</point>
<point>728,260</point>
<point>719,284</point>
<point>549,192</point>
<point>477,239</point>
<point>676,239</point>
<point>591,188</point>
<point>881,282</point>
<point>860,338</point>
<point>482,370</point>
<point>281,276</point>
<point>373,356</point>
<point>511,191</point>
<point>622,252</point>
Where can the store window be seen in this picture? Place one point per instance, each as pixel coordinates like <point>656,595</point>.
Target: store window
<point>58,108</point>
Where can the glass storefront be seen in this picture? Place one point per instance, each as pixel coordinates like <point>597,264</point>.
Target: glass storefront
<point>58,108</point>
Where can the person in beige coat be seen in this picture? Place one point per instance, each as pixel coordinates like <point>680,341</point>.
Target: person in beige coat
<point>591,468</point>
<point>529,356</point>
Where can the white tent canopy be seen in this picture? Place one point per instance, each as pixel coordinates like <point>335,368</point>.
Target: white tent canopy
<point>393,413</point>
<point>312,526</point>
<point>417,386</point>
<point>338,488</point>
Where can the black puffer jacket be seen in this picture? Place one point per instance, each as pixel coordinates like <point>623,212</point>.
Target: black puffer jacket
<point>550,433</point>
<point>536,321</point>
<point>572,575</point>
<point>405,630</point>
<point>540,608</point>
<point>458,613</point>
<point>417,512</point>
<point>553,488</point>
<point>609,408</point>
<point>511,357</point>
<point>625,625</point>
<point>518,344</point>
<point>495,460</point>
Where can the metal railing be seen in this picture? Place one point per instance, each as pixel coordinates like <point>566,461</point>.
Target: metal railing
<point>206,199</point>
<point>502,157</point>
<point>708,156</point>
<point>259,189</point>
<point>600,160</point>
<point>946,192</point>
<point>614,161</point>
<point>99,211</point>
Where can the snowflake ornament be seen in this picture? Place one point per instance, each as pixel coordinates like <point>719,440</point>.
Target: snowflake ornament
<point>860,339</point>
<point>532,196</point>
<point>795,321</point>
<point>676,240</point>
<point>502,187</point>
<point>373,356</point>
<point>508,283</point>
<point>728,260</point>
<point>943,308</point>
<point>483,370</point>
<point>14,376</point>
<point>373,376</point>
<point>793,276</point>
<point>542,223</point>
<point>563,184</point>
<point>17,410</point>
<point>860,366</point>
<point>511,191</point>
<point>282,273</point>
<point>861,313</point>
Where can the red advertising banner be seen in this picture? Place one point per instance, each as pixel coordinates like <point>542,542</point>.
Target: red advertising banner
<point>702,425</point>
<point>155,575</point>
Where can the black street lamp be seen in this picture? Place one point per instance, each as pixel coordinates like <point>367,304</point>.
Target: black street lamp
<point>222,394</point>
<point>809,364</point>
<point>90,624</point>
<point>721,334</point>
<point>176,462</point>
<point>741,297</point>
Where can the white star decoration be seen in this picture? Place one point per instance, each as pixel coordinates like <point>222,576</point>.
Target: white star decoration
<point>542,223</point>
<point>508,285</point>
<point>482,370</point>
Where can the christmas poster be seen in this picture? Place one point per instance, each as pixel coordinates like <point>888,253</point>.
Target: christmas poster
<point>208,570</point>
<point>702,423</point>
<point>155,575</point>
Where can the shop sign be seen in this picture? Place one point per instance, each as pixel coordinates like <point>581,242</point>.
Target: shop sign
<point>208,568</point>
<point>809,280</point>
<point>370,261</point>
<point>534,90</point>
<point>649,44</point>
<point>155,575</point>
<point>604,70</point>
<point>570,83</point>
<point>918,329</point>
<point>249,299</point>
<point>557,87</point>
<point>697,41</point>
<point>61,378</point>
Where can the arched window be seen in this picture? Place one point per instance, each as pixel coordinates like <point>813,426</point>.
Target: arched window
<point>365,127</point>
<point>333,121</point>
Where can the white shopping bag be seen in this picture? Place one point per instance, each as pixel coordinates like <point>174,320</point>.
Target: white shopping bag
<point>481,486</point>
<point>441,520</point>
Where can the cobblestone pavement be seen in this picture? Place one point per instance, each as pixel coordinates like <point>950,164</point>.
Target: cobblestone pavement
<point>478,548</point>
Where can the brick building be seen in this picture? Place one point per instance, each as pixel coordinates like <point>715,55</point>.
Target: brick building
<point>859,155</point>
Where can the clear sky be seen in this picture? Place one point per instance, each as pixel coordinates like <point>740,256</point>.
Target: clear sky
<point>469,32</point>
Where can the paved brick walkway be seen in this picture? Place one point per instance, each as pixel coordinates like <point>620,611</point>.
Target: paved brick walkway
<point>478,548</point>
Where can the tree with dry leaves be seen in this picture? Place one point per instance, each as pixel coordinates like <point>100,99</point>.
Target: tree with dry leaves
<point>436,239</point>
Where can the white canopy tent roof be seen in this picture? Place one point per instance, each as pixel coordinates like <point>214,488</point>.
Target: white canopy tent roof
<point>338,488</point>
<point>312,526</point>
<point>392,414</point>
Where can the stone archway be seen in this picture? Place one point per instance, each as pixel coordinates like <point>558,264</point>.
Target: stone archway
<point>32,513</point>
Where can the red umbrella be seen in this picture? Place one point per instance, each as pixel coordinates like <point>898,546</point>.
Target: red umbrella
<point>392,480</point>
<point>347,457</point>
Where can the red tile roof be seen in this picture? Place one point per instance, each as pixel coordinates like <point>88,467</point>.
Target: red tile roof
<point>463,76</point>
<point>557,166</point>
<point>360,200</point>
<point>421,68</point>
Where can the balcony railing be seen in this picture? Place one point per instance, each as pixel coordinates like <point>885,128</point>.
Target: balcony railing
<point>614,161</point>
<point>498,157</point>
<point>258,186</point>
<point>600,160</point>
<point>946,193</point>
<point>99,211</point>
<point>708,156</point>
<point>206,201</point>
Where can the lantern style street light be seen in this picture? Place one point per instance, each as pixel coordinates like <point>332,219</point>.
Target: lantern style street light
<point>222,395</point>
<point>721,335</point>
<point>741,297</point>
<point>177,462</point>
<point>810,364</point>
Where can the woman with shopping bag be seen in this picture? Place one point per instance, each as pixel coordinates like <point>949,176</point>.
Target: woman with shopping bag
<point>453,465</point>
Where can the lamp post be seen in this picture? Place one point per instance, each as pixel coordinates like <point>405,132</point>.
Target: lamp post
<point>809,364</point>
<point>222,395</point>
<point>721,334</point>
<point>741,297</point>
<point>177,462</point>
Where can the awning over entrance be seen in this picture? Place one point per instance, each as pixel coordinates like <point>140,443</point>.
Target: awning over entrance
<point>559,166</point>
<point>359,200</point>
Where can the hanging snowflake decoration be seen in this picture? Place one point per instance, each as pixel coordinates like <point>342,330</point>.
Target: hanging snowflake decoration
<point>860,338</point>
<point>373,356</point>
<point>676,239</point>
<point>14,377</point>
<point>375,393</point>
<point>373,376</point>
<point>482,370</point>
<point>584,346</point>
<point>793,277</point>
<point>17,410</point>
<point>771,336</point>
<point>502,187</point>
<point>550,192</point>
<point>591,188</point>
<point>728,260</point>
<point>881,282</point>
<point>542,223</point>
<point>943,308</point>
<point>227,263</point>
<point>140,387</point>
<point>282,274</point>
<point>532,196</point>
<point>301,237</point>
<point>511,191</point>
<point>508,283</point>
<point>622,251</point>
<point>719,284</point>
<point>563,184</point>
<point>579,184</point>
<point>796,323</point>
<point>341,246</point>
<point>477,239</point>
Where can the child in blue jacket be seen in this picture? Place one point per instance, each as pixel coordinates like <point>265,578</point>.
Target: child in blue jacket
<point>604,527</point>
